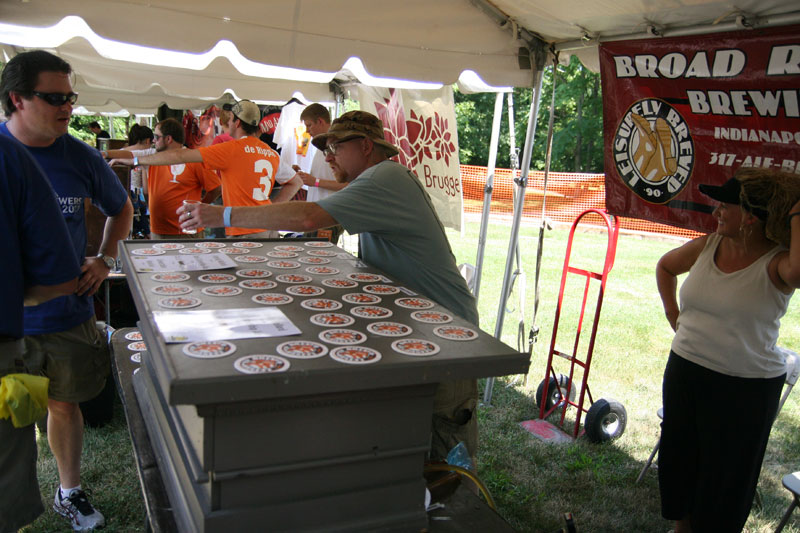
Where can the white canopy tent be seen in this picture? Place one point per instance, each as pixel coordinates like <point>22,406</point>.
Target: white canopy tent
<point>413,39</point>
<point>504,41</point>
<point>306,43</point>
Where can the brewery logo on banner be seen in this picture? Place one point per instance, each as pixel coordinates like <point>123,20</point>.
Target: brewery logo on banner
<point>679,112</point>
<point>422,125</point>
<point>654,151</point>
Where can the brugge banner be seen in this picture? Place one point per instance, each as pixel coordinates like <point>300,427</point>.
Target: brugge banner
<point>678,112</point>
<point>422,124</point>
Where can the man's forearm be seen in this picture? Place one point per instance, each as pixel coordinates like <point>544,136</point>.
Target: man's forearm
<point>116,229</point>
<point>288,190</point>
<point>172,157</point>
<point>331,185</point>
<point>294,216</point>
<point>38,294</point>
<point>117,154</point>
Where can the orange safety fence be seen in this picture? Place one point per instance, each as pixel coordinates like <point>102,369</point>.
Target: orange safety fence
<point>568,195</point>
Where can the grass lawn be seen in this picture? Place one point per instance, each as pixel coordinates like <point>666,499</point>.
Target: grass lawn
<point>535,483</point>
<point>532,482</point>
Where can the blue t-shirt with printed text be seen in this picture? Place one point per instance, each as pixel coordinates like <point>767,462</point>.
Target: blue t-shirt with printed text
<point>33,234</point>
<point>76,172</point>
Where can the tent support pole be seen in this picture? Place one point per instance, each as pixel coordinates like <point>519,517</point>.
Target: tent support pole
<point>519,202</point>
<point>534,332</point>
<point>487,191</point>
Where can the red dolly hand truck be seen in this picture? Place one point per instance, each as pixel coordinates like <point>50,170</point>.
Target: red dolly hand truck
<point>605,419</point>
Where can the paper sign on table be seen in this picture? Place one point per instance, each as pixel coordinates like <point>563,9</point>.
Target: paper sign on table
<point>213,325</point>
<point>182,263</point>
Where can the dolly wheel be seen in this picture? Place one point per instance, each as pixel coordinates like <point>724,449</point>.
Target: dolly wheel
<point>556,391</point>
<point>605,420</point>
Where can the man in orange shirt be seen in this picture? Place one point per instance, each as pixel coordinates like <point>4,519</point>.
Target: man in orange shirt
<point>248,167</point>
<point>169,186</point>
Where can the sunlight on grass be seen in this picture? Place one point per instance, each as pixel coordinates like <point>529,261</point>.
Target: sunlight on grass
<point>595,482</point>
<point>533,483</point>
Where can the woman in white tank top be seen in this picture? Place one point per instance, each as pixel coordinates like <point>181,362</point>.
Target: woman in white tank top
<point>724,375</point>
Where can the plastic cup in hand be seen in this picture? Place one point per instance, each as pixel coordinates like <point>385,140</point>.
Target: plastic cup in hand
<point>189,206</point>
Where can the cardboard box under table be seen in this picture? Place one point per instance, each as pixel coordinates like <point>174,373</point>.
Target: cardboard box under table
<point>321,445</point>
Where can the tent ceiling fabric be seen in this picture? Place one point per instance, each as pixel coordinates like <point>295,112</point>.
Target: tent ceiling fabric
<point>567,20</point>
<point>107,85</point>
<point>419,40</point>
<point>209,84</point>
<point>413,39</point>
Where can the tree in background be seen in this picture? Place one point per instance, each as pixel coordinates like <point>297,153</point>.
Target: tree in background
<point>79,126</point>
<point>577,127</point>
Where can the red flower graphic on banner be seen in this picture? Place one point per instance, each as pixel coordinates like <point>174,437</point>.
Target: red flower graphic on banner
<point>443,146</point>
<point>394,127</point>
<point>416,138</point>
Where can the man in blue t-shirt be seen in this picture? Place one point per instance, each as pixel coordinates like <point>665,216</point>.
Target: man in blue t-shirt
<point>37,97</point>
<point>399,233</point>
<point>39,264</point>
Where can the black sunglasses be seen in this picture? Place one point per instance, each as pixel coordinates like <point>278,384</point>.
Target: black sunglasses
<point>57,99</point>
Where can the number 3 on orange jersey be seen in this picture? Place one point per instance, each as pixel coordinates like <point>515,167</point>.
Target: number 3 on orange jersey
<point>262,193</point>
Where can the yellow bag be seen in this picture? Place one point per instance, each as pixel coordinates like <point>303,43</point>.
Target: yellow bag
<point>23,397</point>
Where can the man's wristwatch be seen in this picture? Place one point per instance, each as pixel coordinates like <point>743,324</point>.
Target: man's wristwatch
<point>110,262</point>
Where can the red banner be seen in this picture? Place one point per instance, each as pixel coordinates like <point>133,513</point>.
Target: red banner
<point>682,111</point>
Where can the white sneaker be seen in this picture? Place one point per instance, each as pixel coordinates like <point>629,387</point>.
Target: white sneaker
<point>80,512</point>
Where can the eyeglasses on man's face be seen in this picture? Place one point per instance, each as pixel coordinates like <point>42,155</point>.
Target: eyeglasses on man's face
<point>57,99</point>
<point>333,148</point>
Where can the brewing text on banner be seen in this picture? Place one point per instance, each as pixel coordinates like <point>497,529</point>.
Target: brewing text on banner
<point>678,112</point>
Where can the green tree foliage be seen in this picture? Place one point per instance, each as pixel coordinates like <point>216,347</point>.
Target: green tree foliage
<point>577,128</point>
<point>79,127</point>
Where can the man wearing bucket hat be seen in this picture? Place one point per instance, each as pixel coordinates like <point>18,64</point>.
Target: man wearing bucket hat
<point>248,167</point>
<point>400,233</point>
<point>724,352</point>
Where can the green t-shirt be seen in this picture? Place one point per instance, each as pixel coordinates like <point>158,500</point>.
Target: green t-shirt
<point>401,234</point>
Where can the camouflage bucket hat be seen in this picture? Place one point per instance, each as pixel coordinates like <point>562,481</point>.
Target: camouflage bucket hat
<point>356,124</point>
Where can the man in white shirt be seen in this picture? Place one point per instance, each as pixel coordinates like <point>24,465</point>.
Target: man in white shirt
<point>320,181</point>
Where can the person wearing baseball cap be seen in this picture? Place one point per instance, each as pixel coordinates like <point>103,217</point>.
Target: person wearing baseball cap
<point>246,111</point>
<point>400,233</point>
<point>248,168</point>
<point>724,352</point>
<point>730,192</point>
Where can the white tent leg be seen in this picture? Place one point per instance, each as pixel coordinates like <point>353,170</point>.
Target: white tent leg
<point>519,202</point>
<point>487,191</point>
<point>534,331</point>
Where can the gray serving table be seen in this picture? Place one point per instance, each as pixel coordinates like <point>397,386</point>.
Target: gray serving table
<point>321,446</point>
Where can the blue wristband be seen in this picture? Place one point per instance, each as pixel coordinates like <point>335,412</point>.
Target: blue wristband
<point>135,161</point>
<point>226,216</point>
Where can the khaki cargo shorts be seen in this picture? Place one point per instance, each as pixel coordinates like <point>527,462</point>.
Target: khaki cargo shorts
<point>77,361</point>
